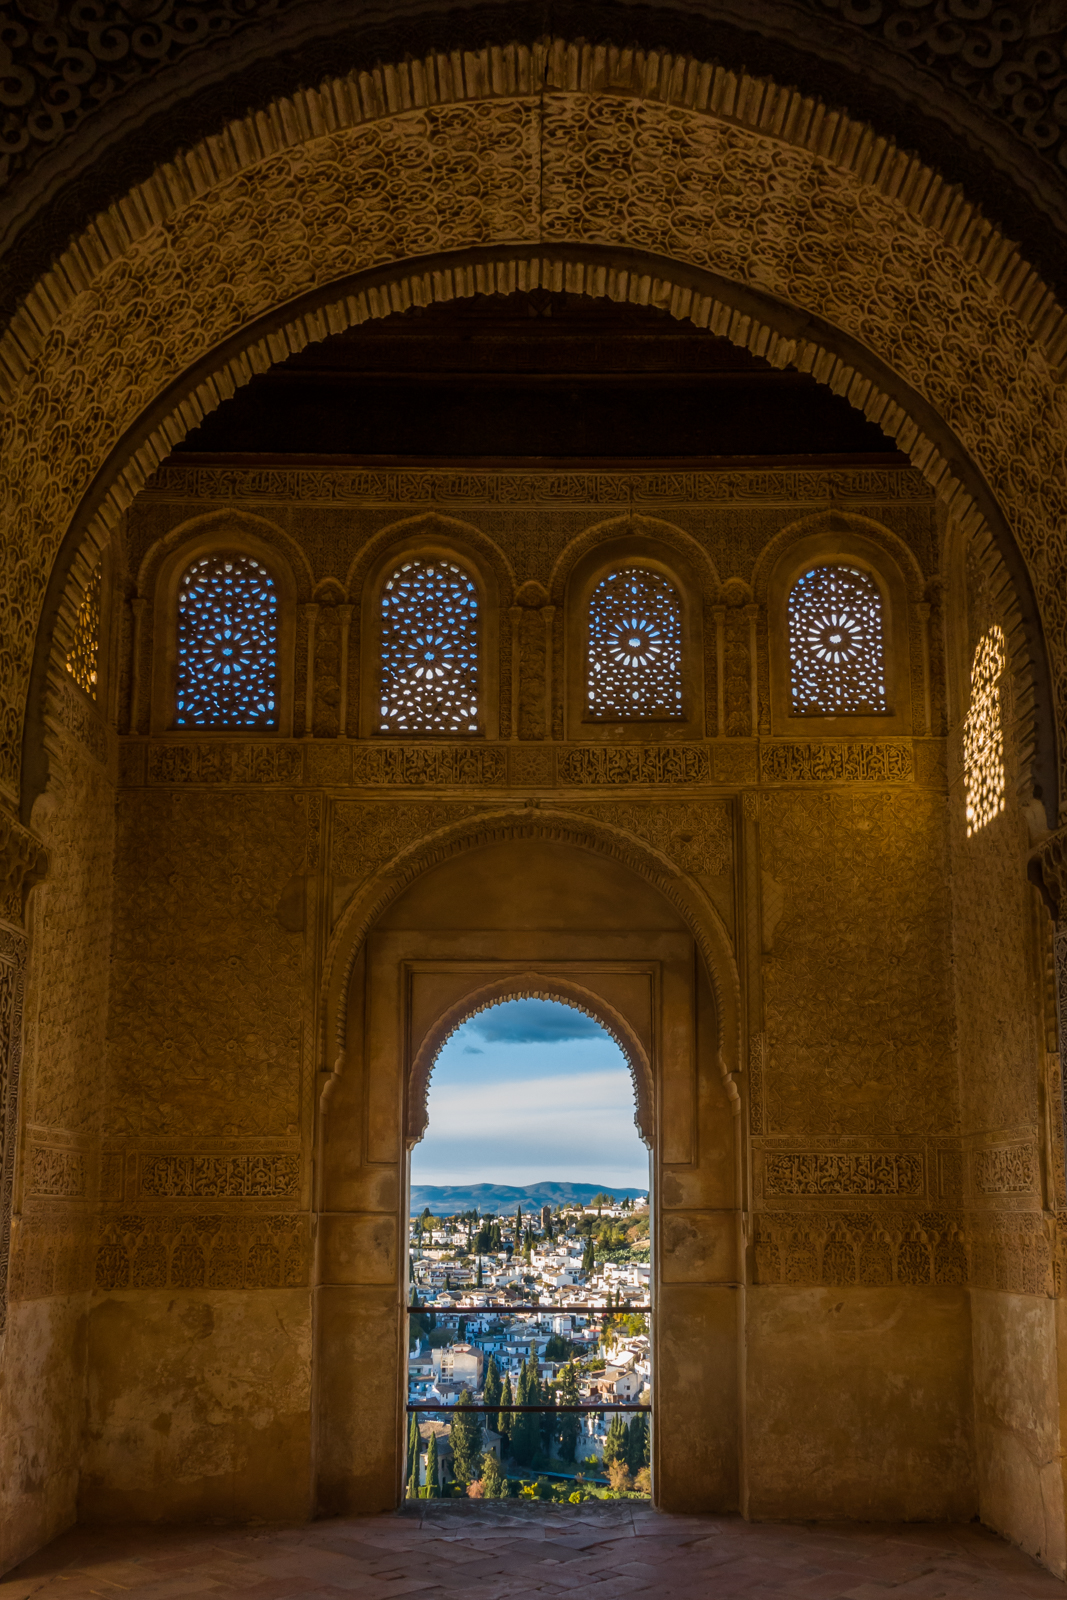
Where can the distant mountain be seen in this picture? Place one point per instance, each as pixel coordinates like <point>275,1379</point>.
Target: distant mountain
<point>444,1200</point>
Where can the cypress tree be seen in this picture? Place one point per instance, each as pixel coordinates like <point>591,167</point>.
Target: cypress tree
<point>570,1424</point>
<point>414,1440</point>
<point>615,1443</point>
<point>637,1442</point>
<point>466,1441</point>
<point>504,1418</point>
<point>433,1472</point>
<point>478,1280</point>
<point>520,1433</point>
<point>492,1387</point>
<point>493,1480</point>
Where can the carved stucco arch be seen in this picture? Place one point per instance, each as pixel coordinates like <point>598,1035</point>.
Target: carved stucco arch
<point>800,236</point>
<point>381,888</point>
<point>531,985</point>
<point>666,533</point>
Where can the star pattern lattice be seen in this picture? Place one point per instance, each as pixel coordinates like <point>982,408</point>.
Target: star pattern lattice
<point>227,645</point>
<point>83,657</point>
<point>635,647</point>
<point>429,651</point>
<point>836,646</point>
<point>983,733</point>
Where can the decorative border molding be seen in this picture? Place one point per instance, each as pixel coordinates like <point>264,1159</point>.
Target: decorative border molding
<point>203,1251</point>
<point>13,953</point>
<point>266,1175</point>
<point>838,761</point>
<point>393,488</point>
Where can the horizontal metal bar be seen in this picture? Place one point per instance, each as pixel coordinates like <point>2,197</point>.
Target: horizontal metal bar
<point>610,1405</point>
<point>559,1311</point>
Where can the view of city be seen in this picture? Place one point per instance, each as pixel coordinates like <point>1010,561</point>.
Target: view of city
<point>538,1308</point>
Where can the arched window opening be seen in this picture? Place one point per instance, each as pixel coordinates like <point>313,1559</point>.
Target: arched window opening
<point>429,650</point>
<point>83,658</point>
<point>227,644</point>
<point>529,1264</point>
<point>635,648</point>
<point>983,733</point>
<point>836,643</point>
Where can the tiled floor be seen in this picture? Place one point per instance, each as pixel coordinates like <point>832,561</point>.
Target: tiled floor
<point>501,1551</point>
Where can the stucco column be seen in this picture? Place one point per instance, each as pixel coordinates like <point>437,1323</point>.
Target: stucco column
<point>311,615</point>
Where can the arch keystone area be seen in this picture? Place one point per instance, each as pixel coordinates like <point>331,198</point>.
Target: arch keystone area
<point>814,246</point>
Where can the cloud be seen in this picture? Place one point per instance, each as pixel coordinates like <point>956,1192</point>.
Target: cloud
<point>532,1022</point>
<point>579,1128</point>
<point>472,1050</point>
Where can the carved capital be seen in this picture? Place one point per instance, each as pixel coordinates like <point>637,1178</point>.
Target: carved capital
<point>1047,868</point>
<point>23,862</point>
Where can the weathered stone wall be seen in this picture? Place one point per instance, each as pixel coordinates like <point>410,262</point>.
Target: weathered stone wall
<point>56,1167</point>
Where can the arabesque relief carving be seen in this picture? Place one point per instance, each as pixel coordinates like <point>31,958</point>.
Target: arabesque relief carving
<point>366,836</point>
<point>268,1176</point>
<point>698,836</point>
<point>866,1250</point>
<point>837,761</point>
<point>13,952</point>
<point>184,1251</point>
<point>56,1171</point>
<point>635,763</point>
<point>1005,1169</point>
<point>208,1010</point>
<point>876,1172</point>
<point>419,764</point>
<point>225,763</point>
<point>573,133</point>
<point>865,915</point>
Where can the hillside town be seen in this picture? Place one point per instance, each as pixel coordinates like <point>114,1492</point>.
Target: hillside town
<point>546,1309</point>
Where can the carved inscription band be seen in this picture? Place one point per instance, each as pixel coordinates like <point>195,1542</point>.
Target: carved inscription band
<point>726,761</point>
<point>850,1172</point>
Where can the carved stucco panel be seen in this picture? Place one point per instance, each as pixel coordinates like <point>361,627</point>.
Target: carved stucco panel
<point>209,990</point>
<point>615,171</point>
<point>858,1022</point>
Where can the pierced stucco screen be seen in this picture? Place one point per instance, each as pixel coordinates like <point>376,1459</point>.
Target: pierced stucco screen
<point>82,660</point>
<point>983,733</point>
<point>429,662</point>
<point>836,643</point>
<point>227,645</point>
<point>635,647</point>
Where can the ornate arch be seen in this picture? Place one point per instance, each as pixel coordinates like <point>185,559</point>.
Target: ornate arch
<point>845,259</point>
<point>532,985</point>
<point>378,892</point>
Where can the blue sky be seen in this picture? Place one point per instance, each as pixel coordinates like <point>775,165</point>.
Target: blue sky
<point>530,1091</point>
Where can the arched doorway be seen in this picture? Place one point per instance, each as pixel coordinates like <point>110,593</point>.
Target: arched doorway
<point>528,914</point>
<point>529,1260</point>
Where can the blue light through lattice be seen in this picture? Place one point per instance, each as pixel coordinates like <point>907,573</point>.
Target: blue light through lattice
<point>635,647</point>
<point>429,670</point>
<point>837,656</point>
<point>227,645</point>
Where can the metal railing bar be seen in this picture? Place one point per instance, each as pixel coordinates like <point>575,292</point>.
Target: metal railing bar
<point>610,1405</point>
<point>560,1311</point>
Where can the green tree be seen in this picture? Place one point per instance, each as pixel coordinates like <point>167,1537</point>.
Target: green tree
<point>494,1484</point>
<point>570,1424</point>
<point>505,1418</point>
<point>414,1441</point>
<point>492,1387</point>
<point>466,1441</point>
<point>615,1443</point>
<point>413,1478</point>
<point>558,1348</point>
<point>589,1256</point>
<point>433,1471</point>
<point>478,1279</point>
<point>637,1443</point>
<point>524,1425</point>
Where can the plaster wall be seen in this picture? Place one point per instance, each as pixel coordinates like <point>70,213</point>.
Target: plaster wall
<point>44,1345</point>
<point>859,1404</point>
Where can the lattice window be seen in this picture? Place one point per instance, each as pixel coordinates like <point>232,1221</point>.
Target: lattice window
<point>635,647</point>
<point>429,662</point>
<point>84,654</point>
<point>227,644</point>
<point>983,733</point>
<point>836,646</point>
